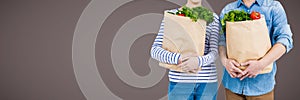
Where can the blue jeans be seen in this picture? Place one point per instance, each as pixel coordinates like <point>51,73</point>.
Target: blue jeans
<point>192,91</point>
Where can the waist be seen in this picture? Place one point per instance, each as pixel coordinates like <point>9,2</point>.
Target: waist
<point>207,74</point>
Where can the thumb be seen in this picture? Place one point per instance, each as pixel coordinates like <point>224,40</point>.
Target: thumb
<point>183,64</point>
<point>235,63</point>
<point>245,63</point>
<point>184,59</point>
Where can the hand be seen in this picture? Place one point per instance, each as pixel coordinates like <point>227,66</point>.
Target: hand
<point>190,64</point>
<point>253,69</point>
<point>184,57</point>
<point>232,67</point>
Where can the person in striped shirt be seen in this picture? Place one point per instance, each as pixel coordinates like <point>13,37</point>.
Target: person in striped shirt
<point>191,86</point>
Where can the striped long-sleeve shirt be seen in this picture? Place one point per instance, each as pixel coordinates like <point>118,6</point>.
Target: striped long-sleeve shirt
<point>208,73</point>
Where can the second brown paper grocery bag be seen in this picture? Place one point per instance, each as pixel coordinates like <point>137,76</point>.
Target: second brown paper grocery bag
<point>248,40</point>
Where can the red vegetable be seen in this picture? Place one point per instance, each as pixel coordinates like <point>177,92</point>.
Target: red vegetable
<point>255,15</point>
<point>181,14</point>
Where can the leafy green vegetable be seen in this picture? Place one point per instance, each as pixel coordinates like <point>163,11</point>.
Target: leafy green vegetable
<point>197,13</point>
<point>204,14</point>
<point>233,16</point>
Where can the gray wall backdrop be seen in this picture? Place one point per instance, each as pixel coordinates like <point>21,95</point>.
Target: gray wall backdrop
<point>36,50</point>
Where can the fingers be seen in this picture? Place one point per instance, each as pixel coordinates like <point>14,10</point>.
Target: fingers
<point>185,69</point>
<point>235,63</point>
<point>233,74</point>
<point>188,69</point>
<point>184,59</point>
<point>245,76</point>
<point>231,71</point>
<point>193,71</point>
<point>187,55</point>
<point>245,63</point>
<point>235,69</point>
<point>240,75</point>
<point>183,64</point>
<point>249,74</point>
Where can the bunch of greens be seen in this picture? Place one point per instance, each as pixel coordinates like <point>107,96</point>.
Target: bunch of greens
<point>196,13</point>
<point>205,14</point>
<point>233,16</point>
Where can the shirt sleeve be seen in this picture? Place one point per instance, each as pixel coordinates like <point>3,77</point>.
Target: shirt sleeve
<point>160,54</point>
<point>212,54</point>
<point>222,39</point>
<point>281,29</point>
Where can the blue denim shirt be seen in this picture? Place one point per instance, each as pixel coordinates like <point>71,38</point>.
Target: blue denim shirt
<point>279,31</point>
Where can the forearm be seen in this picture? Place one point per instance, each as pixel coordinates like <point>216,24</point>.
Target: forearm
<point>274,54</point>
<point>222,53</point>
<point>164,56</point>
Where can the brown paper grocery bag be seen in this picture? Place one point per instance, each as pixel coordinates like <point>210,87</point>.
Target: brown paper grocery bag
<point>182,35</point>
<point>248,40</point>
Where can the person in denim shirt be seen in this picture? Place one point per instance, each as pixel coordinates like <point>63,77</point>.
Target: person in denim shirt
<point>248,84</point>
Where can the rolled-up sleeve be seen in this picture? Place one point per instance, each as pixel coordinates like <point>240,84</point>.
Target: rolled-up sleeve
<point>282,32</point>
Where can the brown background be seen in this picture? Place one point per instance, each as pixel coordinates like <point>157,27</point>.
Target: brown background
<point>36,51</point>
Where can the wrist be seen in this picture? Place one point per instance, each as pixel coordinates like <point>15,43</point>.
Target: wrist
<point>263,62</point>
<point>223,60</point>
<point>178,59</point>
